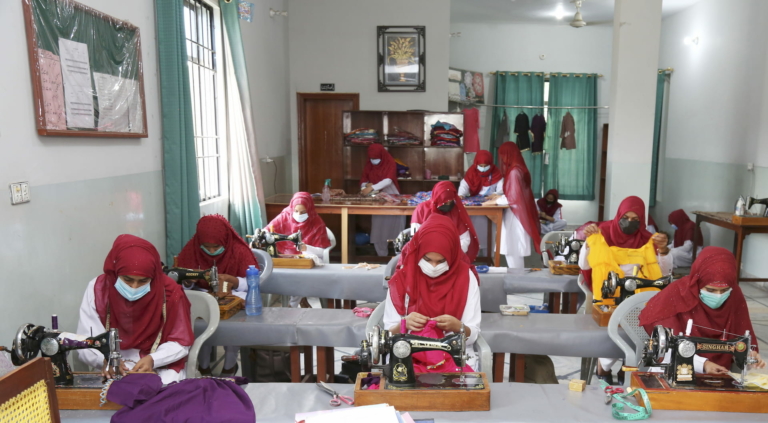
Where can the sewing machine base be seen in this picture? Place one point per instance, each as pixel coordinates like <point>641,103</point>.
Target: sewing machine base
<point>85,394</point>
<point>434,392</point>
<point>601,317</point>
<point>229,306</point>
<point>711,393</point>
<point>293,263</point>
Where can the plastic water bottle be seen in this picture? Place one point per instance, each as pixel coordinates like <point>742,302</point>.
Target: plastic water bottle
<point>253,299</point>
<point>326,195</point>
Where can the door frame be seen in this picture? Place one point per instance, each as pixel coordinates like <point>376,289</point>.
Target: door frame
<point>301,99</point>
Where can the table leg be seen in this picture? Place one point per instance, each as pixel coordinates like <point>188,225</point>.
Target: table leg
<point>489,240</point>
<point>696,240</point>
<point>344,235</point>
<point>331,303</point>
<point>295,366</point>
<point>498,367</point>
<point>512,367</point>
<point>309,363</point>
<point>574,301</point>
<point>329,363</point>
<point>519,367</point>
<point>497,256</point>
<point>738,239</point>
<point>322,364</point>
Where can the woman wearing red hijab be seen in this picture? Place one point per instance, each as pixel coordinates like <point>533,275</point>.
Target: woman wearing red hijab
<point>215,240</point>
<point>682,248</point>
<point>148,308</point>
<point>380,174</point>
<point>445,201</point>
<point>436,292</point>
<point>483,178</point>
<point>550,212</point>
<point>521,221</point>
<point>710,296</point>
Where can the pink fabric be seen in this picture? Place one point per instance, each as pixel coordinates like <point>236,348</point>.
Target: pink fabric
<point>434,361</point>
<point>313,230</point>
<point>471,128</point>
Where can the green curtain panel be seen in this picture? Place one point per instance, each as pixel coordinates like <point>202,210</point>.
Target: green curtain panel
<point>519,89</point>
<point>182,199</point>
<point>657,135</point>
<point>572,172</point>
<point>245,193</point>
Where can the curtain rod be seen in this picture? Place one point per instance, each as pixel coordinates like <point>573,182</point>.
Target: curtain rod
<point>579,75</point>
<point>541,107</point>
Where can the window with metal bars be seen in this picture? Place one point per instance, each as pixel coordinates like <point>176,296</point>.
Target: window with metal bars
<point>201,34</point>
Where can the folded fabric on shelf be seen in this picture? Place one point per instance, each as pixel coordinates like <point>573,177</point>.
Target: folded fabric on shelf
<point>446,134</point>
<point>362,136</point>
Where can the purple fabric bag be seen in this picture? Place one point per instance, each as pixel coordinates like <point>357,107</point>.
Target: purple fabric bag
<point>144,399</point>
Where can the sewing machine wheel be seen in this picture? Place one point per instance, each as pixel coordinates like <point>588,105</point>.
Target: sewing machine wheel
<point>659,344</point>
<point>23,348</point>
<point>374,340</point>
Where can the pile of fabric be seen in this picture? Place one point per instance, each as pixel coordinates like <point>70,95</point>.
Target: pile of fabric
<point>477,200</point>
<point>446,134</point>
<point>403,171</point>
<point>401,137</point>
<point>419,198</point>
<point>362,136</point>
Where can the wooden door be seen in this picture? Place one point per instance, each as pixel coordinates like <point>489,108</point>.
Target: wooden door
<point>321,138</point>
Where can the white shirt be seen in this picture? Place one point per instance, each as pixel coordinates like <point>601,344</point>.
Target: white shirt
<point>497,188</point>
<point>471,316</point>
<point>683,255</point>
<point>89,323</point>
<point>558,214</point>
<point>378,186</point>
<point>464,239</point>
<point>665,262</point>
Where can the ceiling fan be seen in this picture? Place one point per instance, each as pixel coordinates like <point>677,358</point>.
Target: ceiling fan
<point>577,21</point>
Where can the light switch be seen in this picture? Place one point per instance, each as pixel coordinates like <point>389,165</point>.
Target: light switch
<point>19,192</point>
<point>25,192</point>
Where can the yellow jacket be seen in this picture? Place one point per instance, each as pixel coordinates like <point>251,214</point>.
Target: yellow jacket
<point>604,259</point>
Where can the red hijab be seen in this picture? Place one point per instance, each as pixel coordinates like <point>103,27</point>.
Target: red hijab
<point>476,179</point>
<point>443,192</point>
<point>432,297</point>
<point>547,208</point>
<point>140,321</point>
<point>685,227</point>
<point>517,189</point>
<point>312,230</point>
<point>673,306</point>
<point>215,229</point>
<point>387,168</point>
<point>612,231</point>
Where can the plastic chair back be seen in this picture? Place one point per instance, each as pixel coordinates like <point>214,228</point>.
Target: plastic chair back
<point>588,294</point>
<point>327,251</point>
<point>552,237</point>
<point>265,264</point>
<point>627,315</point>
<point>205,307</point>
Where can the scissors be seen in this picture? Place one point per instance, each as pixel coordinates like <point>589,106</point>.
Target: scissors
<point>610,391</point>
<point>337,399</point>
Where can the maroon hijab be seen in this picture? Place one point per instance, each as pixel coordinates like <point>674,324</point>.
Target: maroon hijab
<point>673,306</point>
<point>517,189</point>
<point>476,179</point>
<point>313,230</point>
<point>387,168</point>
<point>612,231</point>
<point>685,228</point>
<point>443,192</point>
<point>549,209</point>
<point>140,321</point>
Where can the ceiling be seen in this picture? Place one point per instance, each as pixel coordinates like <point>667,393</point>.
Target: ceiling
<point>595,12</point>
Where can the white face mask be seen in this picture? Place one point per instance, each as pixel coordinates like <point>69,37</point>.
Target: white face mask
<point>484,169</point>
<point>433,271</point>
<point>375,161</point>
<point>301,218</point>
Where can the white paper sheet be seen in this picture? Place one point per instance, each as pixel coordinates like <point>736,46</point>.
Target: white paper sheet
<point>53,90</point>
<point>76,74</point>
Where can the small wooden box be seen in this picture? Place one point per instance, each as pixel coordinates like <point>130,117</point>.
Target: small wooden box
<point>601,317</point>
<point>229,306</point>
<point>558,267</point>
<point>83,397</point>
<point>750,220</point>
<point>425,399</point>
<point>293,263</point>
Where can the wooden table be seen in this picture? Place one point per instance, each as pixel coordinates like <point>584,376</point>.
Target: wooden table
<point>723,220</point>
<point>276,203</point>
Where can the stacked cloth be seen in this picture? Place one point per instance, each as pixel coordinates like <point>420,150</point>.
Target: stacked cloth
<point>362,136</point>
<point>401,137</point>
<point>477,200</point>
<point>423,196</point>
<point>446,134</point>
<point>403,171</point>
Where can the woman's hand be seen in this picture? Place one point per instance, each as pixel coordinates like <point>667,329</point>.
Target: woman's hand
<point>489,203</point>
<point>108,373</point>
<point>660,241</point>
<point>591,230</point>
<point>416,322</point>
<point>760,363</point>
<point>448,323</point>
<point>711,368</point>
<point>145,365</point>
<point>367,190</point>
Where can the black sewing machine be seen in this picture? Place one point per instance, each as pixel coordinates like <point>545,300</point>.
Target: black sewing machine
<point>401,240</point>
<point>568,248</point>
<point>629,286</point>
<point>751,201</point>
<point>267,241</point>
<point>180,275</point>
<point>31,340</point>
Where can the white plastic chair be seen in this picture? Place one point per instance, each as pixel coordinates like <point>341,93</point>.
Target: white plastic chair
<point>627,315</point>
<point>588,294</point>
<point>265,264</point>
<point>551,237</point>
<point>205,307</point>
<point>327,251</point>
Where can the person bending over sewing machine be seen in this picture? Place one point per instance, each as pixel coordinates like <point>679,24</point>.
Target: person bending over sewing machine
<point>380,174</point>
<point>148,308</point>
<point>436,293</point>
<point>521,222</point>
<point>300,215</point>
<point>216,241</point>
<point>711,296</point>
<point>483,179</point>
<point>682,247</point>
<point>550,212</point>
<point>627,231</point>
<point>445,201</point>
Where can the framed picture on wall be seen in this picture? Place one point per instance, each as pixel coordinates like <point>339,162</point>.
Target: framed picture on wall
<point>401,58</point>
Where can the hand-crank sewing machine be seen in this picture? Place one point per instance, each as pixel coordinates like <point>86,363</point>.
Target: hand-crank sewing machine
<point>267,240</point>
<point>568,248</point>
<point>616,289</point>
<point>678,387</point>
<point>401,240</point>
<point>229,305</point>
<point>403,388</point>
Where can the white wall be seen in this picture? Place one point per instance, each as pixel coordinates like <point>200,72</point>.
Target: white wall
<point>335,41</point>
<point>517,47</point>
<point>84,191</point>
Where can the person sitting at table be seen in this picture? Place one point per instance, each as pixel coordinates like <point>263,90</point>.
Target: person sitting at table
<point>445,201</point>
<point>626,231</point>
<point>380,174</point>
<point>550,213</point>
<point>148,308</point>
<point>711,296</point>
<point>216,241</point>
<point>521,222</point>
<point>484,179</point>
<point>436,292</point>
<point>682,247</point>
<point>300,215</point>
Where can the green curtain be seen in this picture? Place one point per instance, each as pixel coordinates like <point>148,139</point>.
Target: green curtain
<point>244,174</point>
<point>572,172</point>
<point>657,134</point>
<point>519,89</point>
<point>182,199</point>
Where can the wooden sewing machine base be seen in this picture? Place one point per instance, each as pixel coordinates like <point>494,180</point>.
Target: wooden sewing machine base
<point>711,393</point>
<point>602,317</point>
<point>437,397</point>
<point>85,394</point>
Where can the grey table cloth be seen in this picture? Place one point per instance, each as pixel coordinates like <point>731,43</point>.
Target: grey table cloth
<point>510,402</point>
<point>494,287</point>
<point>328,281</point>
<point>276,326</point>
<point>331,328</point>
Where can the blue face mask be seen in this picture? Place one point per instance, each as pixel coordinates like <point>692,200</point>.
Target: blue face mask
<point>674,227</point>
<point>713,301</point>
<point>483,169</point>
<point>130,294</point>
<point>215,253</point>
<point>375,161</point>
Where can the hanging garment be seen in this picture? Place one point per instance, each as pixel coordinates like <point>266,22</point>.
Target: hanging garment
<point>604,259</point>
<point>471,128</point>
<point>502,132</point>
<point>568,132</point>
<point>538,127</point>
<point>522,126</point>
